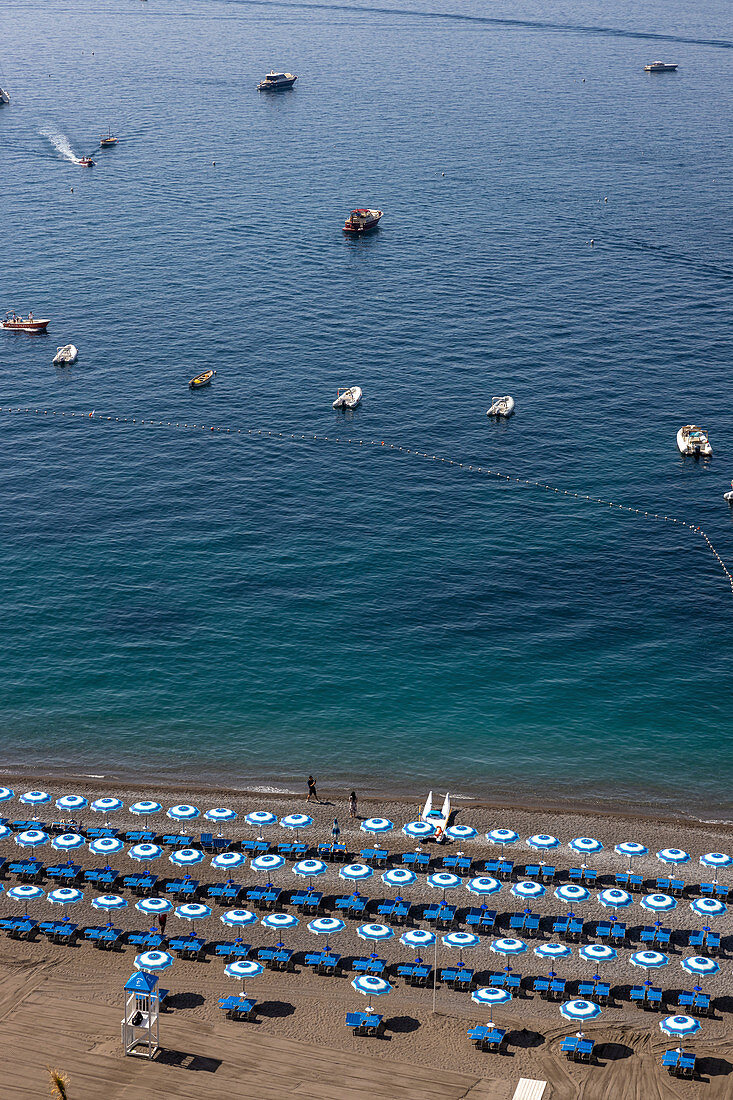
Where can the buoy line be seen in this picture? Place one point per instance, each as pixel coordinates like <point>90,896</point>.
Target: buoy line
<point>318,438</point>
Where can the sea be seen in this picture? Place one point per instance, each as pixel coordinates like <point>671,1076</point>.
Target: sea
<point>253,604</point>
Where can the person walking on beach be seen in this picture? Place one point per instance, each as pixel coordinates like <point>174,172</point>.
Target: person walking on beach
<point>352,804</point>
<point>162,918</point>
<point>312,792</point>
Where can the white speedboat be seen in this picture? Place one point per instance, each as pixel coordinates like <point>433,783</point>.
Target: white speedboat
<point>438,818</point>
<point>274,82</point>
<point>660,67</point>
<point>501,406</point>
<point>348,399</point>
<point>65,355</point>
<point>4,97</point>
<point>729,495</point>
<point>692,440</point>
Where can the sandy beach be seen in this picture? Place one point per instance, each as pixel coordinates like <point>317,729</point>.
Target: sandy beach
<point>63,1004</point>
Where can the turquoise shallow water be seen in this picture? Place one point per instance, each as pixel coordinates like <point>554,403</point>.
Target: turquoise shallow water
<point>251,609</point>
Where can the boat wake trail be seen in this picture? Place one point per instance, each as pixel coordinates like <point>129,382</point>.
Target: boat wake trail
<point>61,144</point>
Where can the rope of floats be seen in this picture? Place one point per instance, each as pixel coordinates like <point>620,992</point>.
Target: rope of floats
<point>318,438</point>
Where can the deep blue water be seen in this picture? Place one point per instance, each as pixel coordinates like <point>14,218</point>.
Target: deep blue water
<point>180,602</point>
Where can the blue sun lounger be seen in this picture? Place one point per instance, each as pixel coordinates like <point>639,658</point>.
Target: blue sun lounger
<point>364,1023</point>
<point>238,1008</point>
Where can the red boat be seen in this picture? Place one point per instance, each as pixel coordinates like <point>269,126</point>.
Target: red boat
<point>362,220</point>
<point>86,162</point>
<point>15,323</point>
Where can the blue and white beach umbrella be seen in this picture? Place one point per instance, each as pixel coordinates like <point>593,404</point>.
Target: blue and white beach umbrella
<point>6,833</point>
<point>528,890</point>
<point>586,846</point>
<point>483,885</point>
<point>598,953</point>
<point>6,793</point>
<point>708,907</point>
<point>143,853</point>
<point>296,821</point>
<point>553,951</point>
<point>243,968</point>
<point>716,860</point>
<point>444,880</point>
<point>192,910</point>
<point>491,998</point>
<point>508,946</point>
<point>309,868</point>
<point>417,938</point>
<point>399,876</point>
<point>649,960</point>
<point>154,906</point>
<point>68,842</point>
<point>186,857</point>
<point>461,941</point>
<point>106,846</point>
<point>674,856</point>
<point>31,838</point>
<point>615,898</point>
<point>326,926</point>
<point>154,961</point>
<point>220,813</point>
<point>280,922</point>
<point>658,903</point>
<point>419,830</point>
<point>267,863</point>
<point>505,837</point>
<point>573,894</point>
<point>65,895</point>
<point>35,798</point>
<point>107,805</point>
<point>355,872</point>
<point>238,918</point>
<point>109,902</point>
<point>183,812</point>
<point>25,894</point>
<point>542,842</point>
<point>227,861</point>
<point>680,1027</point>
<point>580,1010</point>
<point>700,966</point>
<point>70,802</point>
<point>377,933</point>
<point>261,819</point>
<point>376,825</point>
<point>145,809</point>
<point>631,849</point>
<point>461,832</point>
<point>371,986</point>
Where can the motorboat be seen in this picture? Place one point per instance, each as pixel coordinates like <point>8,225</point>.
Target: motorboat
<point>362,220</point>
<point>729,495</point>
<point>86,162</point>
<point>660,67</point>
<point>274,82</point>
<point>4,97</point>
<point>108,141</point>
<point>15,323</point>
<point>202,379</point>
<point>65,355</point>
<point>438,818</point>
<point>692,440</point>
<point>501,406</point>
<point>348,399</point>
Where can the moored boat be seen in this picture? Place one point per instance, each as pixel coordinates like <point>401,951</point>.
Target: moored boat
<point>109,140</point>
<point>275,82</point>
<point>692,440</point>
<point>660,67</point>
<point>729,495</point>
<point>15,323</point>
<point>438,818</point>
<point>348,399</point>
<point>65,355</point>
<point>501,406</point>
<point>4,97</point>
<point>202,379</point>
<point>362,220</point>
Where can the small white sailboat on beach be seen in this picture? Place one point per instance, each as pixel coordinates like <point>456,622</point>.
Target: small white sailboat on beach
<point>348,399</point>
<point>438,818</point>
<point>501,406</point>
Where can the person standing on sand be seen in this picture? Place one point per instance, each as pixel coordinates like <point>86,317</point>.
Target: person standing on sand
<point>312,793</point>
<point>352,804</point>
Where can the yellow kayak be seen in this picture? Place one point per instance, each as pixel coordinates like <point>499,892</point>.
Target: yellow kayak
<point>202,379</point>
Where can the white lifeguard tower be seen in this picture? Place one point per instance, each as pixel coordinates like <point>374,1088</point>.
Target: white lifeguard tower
<point>140,1027</point>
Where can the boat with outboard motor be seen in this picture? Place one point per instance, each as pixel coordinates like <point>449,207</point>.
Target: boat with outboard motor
<point>501,406</point>
<point>362,220</point>
<point>729,495</point>
<point>4,97</point>
<point>201,379</point>
<point>438,818</point>
<point>65,355</point>
<point>692,440</point>
<point>86,162</point>
<point>348,399</point>
<point>275,82</point>
<point>14,322</point>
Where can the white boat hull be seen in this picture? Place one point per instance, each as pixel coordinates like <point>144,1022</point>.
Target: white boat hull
<point>686,446</point>
<point>66,355</point>
<point>349,399</point>
<point>501,406</point>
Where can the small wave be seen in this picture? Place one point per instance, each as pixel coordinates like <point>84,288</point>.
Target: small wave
<point>61,144</point>
<point>271,790</point>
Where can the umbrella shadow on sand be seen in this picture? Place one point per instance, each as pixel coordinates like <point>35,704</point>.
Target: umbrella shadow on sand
<point>275,1009</point>
<point>708,1066</point>
<point>525,1040</point>
<point>184,1000</point>
<point>402,1025</point>
<point>612,1052</point>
